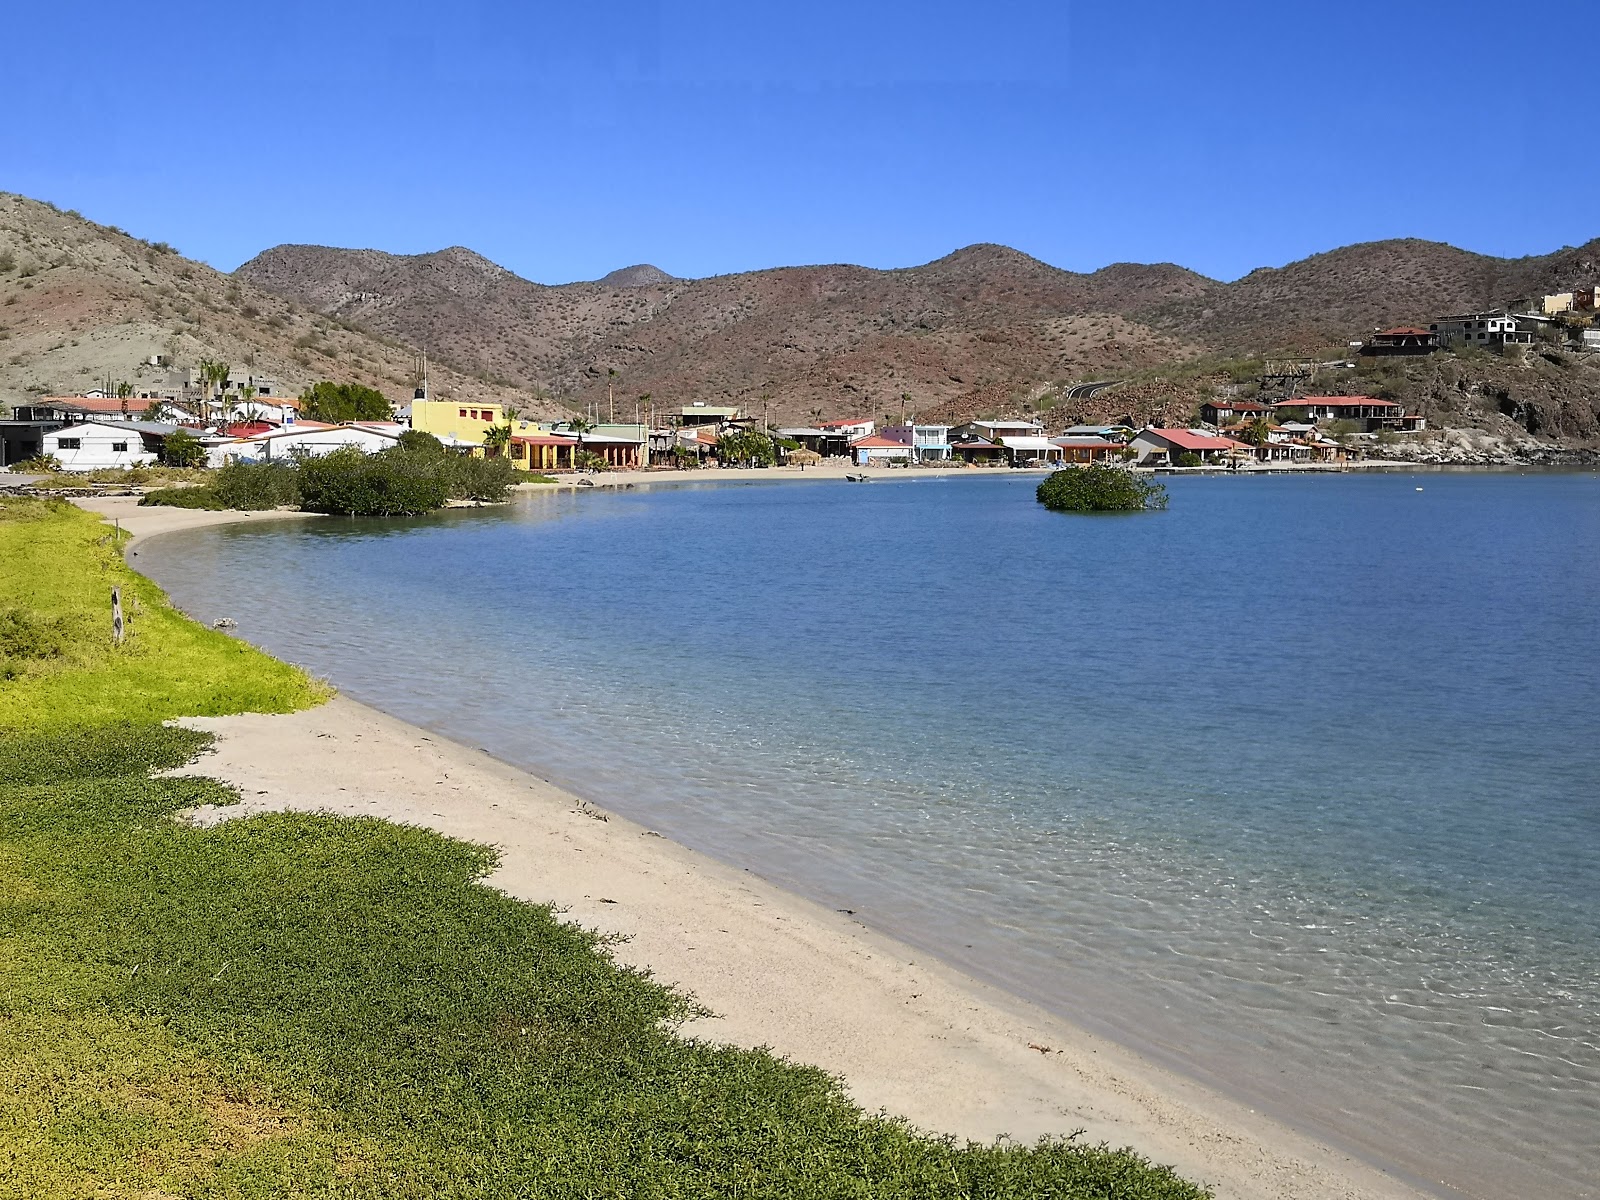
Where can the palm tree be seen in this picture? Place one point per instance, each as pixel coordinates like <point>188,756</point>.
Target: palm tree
<point>496,439</point>
<point>816,416</point>
<point>611,406</point>
<point>215,374</point>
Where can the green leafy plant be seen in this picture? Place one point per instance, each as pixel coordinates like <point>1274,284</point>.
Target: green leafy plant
<point>182,449</point>
<point>1100,489</point>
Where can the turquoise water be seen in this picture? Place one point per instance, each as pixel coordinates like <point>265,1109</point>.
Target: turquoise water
<point>1293,786</point>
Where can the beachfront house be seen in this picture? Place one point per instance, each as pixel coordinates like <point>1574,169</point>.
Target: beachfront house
<point>1086,451</point>
<point>303,440</point>
<point>850,428</point>
<point>879,452</point>
<point>1165,447</point>
<point>106,445</point>
<point>929,443</point>
<point>978,451</point>
<point>458,425</point>
<point>1111,433</point>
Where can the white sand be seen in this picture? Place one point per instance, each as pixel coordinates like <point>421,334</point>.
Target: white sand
<point>906,1033</point>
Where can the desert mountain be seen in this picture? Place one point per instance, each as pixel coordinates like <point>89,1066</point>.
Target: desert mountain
<point>983,327</point>
<point>81,302</point>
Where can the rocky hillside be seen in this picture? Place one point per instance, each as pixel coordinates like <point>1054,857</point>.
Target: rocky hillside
<point>81,302</point>
<point>984,329</point>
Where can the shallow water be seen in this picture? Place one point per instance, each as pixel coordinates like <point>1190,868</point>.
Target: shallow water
<point>1293,785</point>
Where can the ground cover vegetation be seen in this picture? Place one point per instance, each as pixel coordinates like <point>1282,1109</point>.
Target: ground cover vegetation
<point>298,1005</point>
<point>1100,489</point>
<point>416,476</point>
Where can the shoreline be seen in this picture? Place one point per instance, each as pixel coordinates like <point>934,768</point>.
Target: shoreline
<point>779,970</point>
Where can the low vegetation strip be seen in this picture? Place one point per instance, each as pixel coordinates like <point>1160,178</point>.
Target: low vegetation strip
<point>58,565</point>
<point>296,1005</point>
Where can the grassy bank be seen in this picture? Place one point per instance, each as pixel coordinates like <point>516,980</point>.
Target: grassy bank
<point>297,1005</point>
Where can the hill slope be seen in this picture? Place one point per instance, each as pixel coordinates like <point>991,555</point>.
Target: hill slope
<point>985,327</point>
<point>81,302</point>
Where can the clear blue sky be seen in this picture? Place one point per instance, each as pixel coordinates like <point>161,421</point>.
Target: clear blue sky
<point>564,140</point>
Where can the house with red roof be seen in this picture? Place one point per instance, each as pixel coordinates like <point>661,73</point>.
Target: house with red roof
<point>879,451</point>
<point>1164,447</point>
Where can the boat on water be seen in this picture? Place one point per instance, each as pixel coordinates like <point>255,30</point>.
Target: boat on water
<point>859,478</point>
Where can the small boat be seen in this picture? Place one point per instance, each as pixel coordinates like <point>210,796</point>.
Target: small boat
<point>859,478</point>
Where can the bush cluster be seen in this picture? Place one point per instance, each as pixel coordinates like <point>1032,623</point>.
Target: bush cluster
<point>1100,489</point>
<point>417,476</point>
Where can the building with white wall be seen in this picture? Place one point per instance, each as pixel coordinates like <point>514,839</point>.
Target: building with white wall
<point>109,445</point>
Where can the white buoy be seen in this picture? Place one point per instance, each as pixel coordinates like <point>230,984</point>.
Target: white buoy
<point>1419,489</point>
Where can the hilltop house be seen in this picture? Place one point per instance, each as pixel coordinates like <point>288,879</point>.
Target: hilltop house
<point>1371,413</point>
<point>1167,446</point>
<point>102,445</point>
<point>1225,412</point>
<point>1402,340</point>
<point>1490,329</point>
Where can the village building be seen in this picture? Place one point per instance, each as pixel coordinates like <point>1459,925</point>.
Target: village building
<point>1369,412</point>
<point>1111,433</point>
<point>879,452</point>
<point>106,445</point>
<point>1086,451</point>
<point>457,425</point>
<point>977,451</point>
<point>850,428</point>
<point>929,443</point>
<point>1225,412</point>
<point>1167,446</point>
<point>67,409</point>
<point>993,431</point>
<point>1488,330</point>
<point>1401,340</point>
<point>700,413</point>
<point>306,440</point>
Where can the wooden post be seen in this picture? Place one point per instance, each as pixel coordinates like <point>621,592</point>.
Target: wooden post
<point>116,616</point>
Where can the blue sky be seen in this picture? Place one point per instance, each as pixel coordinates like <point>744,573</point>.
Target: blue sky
<point>564,140</point>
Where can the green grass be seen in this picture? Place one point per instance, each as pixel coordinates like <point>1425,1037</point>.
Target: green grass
<point>298,1005</point>
<point>57,663</point>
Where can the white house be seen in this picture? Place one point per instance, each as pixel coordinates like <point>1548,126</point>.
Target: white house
<point>849,429</point>
<point>879,451</point>
<point>95,445</point>
<point>282,445</point>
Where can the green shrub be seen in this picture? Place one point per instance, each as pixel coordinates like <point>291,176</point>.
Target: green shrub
<point>255,486</point>
<point>27,636</point>
<point>183,497</point>
<point>1190,459</point>
<point>1100,489</point>
<point>388,484</point>
<point>182,449</point>
<point>469,478</point>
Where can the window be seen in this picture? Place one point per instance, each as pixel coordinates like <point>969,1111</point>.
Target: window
<point>70,443</point>
<point>119,447</point>
<point>463,412</point>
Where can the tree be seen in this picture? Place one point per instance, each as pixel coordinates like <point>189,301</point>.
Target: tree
<point>746,447</point>
<point>1100,489</point>
<point>816,416</point>
<point>124,390</point>
<point>611,405</point>
<point>214,373</point>
<point>159,410</point>
<point>340,402</point>
<point>1257,433</point>
<point>495,440</point>
<point>182,449</point>
<point>1189,459</point>
<point>579,425</point>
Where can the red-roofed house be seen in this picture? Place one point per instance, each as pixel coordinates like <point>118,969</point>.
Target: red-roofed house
<point>857,428</point>
<point>1167,446</point>
<point>1372,413</point>
<point>69,409</point>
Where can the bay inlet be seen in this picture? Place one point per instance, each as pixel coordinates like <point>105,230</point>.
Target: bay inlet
<point>1293,786</point>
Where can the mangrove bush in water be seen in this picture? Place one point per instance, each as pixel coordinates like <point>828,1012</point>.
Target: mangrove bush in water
<point>1100,489</point>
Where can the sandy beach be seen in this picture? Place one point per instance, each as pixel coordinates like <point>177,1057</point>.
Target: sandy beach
<point>906,1033</point>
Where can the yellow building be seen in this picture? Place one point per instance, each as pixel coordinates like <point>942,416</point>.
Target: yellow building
<point>456,423</point>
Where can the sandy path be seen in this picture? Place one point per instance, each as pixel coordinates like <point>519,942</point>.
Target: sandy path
<point>907,1034</point>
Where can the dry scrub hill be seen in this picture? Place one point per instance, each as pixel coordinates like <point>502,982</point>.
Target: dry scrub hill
<point>80,302</point>
<point>984,329</point>
<point>844,340</point>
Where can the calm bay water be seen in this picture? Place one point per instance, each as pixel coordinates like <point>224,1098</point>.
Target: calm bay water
<point>1295,786</point>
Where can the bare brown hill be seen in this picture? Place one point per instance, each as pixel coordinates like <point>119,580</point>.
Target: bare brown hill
<point>81,303</point>
<point>984,328</point>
